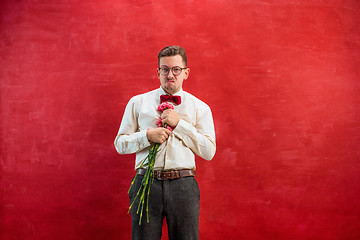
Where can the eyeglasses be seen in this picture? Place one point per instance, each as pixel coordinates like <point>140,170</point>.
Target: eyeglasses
<point>175,70</point>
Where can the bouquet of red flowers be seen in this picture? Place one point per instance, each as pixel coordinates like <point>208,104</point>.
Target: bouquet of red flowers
<point>149,163</point>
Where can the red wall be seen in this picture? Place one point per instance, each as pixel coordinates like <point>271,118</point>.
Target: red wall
<point>282,78</point>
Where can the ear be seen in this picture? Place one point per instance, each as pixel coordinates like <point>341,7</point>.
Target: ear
<point>158,73</point>
<point>187,72</point>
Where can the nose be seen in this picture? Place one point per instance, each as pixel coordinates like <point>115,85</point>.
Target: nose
<point>170,74</point>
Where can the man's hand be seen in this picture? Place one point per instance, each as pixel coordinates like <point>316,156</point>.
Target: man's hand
<point>170,117</point>
<point>158,135</point>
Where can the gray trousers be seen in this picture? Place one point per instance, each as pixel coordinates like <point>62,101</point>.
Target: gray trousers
<point>176,200</point>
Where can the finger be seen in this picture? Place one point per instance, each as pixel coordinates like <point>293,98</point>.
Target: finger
<point>165,135</point>
<point>166,121</point>
<point>167,112</point>
<point>168,132</point>
<point>164,114</point>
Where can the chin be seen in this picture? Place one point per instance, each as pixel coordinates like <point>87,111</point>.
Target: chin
<point>169,90</point>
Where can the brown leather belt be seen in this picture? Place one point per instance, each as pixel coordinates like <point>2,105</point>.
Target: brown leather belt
<point>170,174</point>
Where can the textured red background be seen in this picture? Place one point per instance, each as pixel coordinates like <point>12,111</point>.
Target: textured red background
<point>282,78</point>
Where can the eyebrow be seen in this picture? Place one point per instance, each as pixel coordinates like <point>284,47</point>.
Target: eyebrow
<point>169,67</point>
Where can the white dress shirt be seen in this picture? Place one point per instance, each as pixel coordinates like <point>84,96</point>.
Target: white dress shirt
<point>194,134</point>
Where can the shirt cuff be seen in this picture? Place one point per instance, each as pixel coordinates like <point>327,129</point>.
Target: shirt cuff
<point>143,140</point>
<point>182,128</point>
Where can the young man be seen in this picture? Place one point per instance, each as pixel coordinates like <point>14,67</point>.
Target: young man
<point>174,192</point>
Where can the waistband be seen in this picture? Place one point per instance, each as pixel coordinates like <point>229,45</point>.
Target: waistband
<point>170,174</point>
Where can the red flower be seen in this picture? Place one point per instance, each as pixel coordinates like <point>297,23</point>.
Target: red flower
<point>162,107</point>
<point>165,105</point>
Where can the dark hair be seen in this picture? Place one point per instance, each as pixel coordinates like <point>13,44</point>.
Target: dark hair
<point>170,51</point>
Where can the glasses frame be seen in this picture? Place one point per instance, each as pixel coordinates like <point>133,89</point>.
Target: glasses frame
<point>172,70</point>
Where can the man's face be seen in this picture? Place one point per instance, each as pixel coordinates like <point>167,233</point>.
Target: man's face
<point>172,83</point>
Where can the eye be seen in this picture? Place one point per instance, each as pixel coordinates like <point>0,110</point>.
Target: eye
<point>177,70</point>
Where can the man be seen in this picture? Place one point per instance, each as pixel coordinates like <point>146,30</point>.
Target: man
<point>174,192</point>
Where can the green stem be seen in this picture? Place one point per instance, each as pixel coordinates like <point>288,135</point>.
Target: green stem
<point>145,183</point>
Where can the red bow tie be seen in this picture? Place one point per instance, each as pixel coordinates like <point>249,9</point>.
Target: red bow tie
<point>167,98</point>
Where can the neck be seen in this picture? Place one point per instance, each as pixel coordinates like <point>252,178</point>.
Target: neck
<point>170,93</point>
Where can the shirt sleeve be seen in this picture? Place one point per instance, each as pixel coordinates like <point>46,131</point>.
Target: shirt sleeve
<point>129,139</point>
<point>199,138</point>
